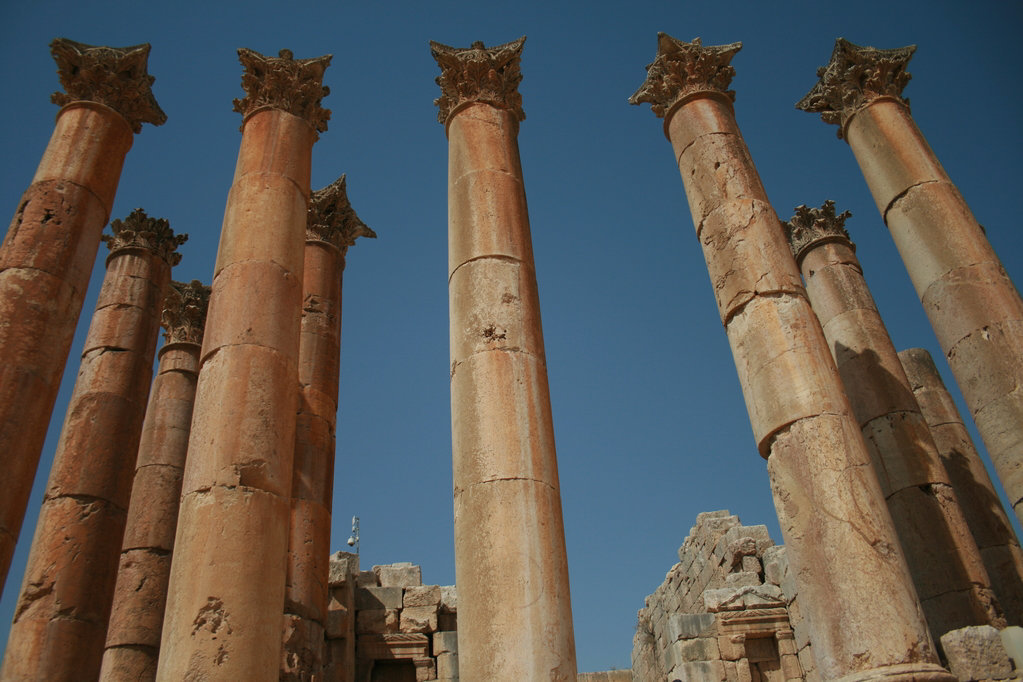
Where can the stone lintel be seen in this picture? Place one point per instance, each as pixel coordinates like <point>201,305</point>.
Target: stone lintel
<point>479,74</point>
<point>139,231</point>
<point>681,70</point>
<point>811,227</point>
<point>285,83</point>
<point>855,77</point>
<point>184,312</point>
<point>394,646</point>
<point>333,220</point>
<point>113,76</point>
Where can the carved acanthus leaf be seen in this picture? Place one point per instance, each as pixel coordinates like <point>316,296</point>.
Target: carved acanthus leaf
<point>810,227</point>
<point>681,69</point>
<point>332,219</point>
<point>184,312</point>
<point>854,78</point>
<point>113,76</point>
<point>285,83</point>
<point>479,74</point>
<point>140,231</point>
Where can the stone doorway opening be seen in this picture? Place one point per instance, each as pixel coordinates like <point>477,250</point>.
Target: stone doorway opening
<point>402,670</point>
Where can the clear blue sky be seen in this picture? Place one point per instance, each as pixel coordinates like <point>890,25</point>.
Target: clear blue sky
<point>650,424</point>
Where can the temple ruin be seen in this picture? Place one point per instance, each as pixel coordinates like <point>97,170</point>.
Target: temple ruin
<point>898,562</point>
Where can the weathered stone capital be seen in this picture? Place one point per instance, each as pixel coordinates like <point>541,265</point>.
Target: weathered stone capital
<point>113,76</point>
<point>332,218</point>
<point>855,77</point>
<point>139,231</point>
<point>811,227</point>
<point>681,69</point>
<point>479,74</point>
<point>285,83</point>
<point>184,312</point>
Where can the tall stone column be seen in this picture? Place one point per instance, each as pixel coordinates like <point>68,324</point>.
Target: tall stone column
<point>950,579</point>
<point>332,227</point>
<point>991,528</point>
<point>136,618</point>
<point>60,622</point>
<point>226,591</point>
<point>47,257</point>
<point>866,621</point>
<point>973,307</point>
<point>514,609</point>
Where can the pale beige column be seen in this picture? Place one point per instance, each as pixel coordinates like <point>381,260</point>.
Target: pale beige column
<point>136,617</point>
<point>950,578</point>
<point>854,587</point>
<point>48,254</point>
<point>973,306</point>
<point>990,525</point>
<point>514,610</point>
<point>60,622</point>
<point>226,591</point>
<point>332,227</point>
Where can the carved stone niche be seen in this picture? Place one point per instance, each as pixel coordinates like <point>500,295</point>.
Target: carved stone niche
<point>762,643</point>
<point>395,658</point>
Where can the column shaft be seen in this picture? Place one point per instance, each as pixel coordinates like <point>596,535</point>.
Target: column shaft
<point>45,263</point>
<point>226,589</point>
<point>988,522</point>
<point>973,307</point>
<point>60,622</point>
<point>950,579</point>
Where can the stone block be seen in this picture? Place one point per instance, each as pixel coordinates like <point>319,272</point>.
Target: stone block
<point>743,578</point>
<point>367,579</point>
<point>377,621</point>
<point>692,650</point>
<point>751,564</point>
<point>976,653</point>
<point>378,598</point>
<point>419,619</point>
<point>775,563</point>
<point>691,626</point>
<point>344,566</point>
<point>427,595</point>
<point>447,621</point>
<point>337,620</point>
<point>448,599</point>
<point>426,669</point>
<point>402,574</point>
<point>445,643</point>
<point>700,671</point>
<point>447,666</point>
<point>731,647</point>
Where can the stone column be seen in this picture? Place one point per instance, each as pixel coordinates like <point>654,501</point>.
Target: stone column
<point>332,227</point>
<point>226,591</point>
<point>991,528</point>
<point>866,621</point>
<point>973,307</point>
<point>60,622</point>
<point>136,618</point>
<point>515,615</point>
<point>950,579</point>
<point>47,257</point>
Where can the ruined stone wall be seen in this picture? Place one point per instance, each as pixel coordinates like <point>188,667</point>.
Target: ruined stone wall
<point>721,612</point>
<point>385,618</point>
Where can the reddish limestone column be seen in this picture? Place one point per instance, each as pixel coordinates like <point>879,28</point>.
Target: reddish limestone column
<point>950,579</point>
<point>60,622</point>
<point>50,248</point>
<point>991,528</point>
<point>332,227</point>
<point>226,591</point>
<point>136,618</point>
<point>975,310</point>
<point>866,622</point>
<point>514,609</point>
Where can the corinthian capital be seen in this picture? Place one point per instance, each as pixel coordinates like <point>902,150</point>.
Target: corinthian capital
<point>113,76</point>
<point>332,218</point>
<point>184,312</point>
<point>285,83</point>
<point>142,232</point>
<point>810,227</point>
<point>479,74</point>
<point>682,69</point>
<point>855,77</point>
